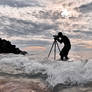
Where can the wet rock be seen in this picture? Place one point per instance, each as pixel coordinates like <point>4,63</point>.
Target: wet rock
<point>59,87</point>
<point>7,47</point>
<point>22,85</point>
<point>73,88</point>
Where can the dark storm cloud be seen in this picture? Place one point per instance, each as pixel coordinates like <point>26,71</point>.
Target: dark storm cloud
<point>21,27</point>
<point>86,8</point>
<point>23,3</point>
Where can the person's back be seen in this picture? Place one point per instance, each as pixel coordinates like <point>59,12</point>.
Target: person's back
<point>66,41</point>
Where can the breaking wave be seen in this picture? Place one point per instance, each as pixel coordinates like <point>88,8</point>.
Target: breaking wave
<point>54,72</point>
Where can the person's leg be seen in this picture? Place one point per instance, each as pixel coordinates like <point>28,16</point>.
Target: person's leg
<point>61,55</point>
<point>66,54</point>
<point>62,58</point>
<point>66,57</point>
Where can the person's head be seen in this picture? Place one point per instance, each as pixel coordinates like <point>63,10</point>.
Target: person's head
<point>60,34</point>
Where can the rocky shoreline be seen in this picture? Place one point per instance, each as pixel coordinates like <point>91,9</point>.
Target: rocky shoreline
<point>8,84</point>
<point>12,84</point>
<point>7,47</point>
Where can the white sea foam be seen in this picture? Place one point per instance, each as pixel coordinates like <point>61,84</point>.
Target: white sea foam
<point>78,71</point>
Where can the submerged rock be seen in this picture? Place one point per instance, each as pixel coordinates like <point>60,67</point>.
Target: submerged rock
<point>7,47</point>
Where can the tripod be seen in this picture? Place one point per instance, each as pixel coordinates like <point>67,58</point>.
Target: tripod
<point>55,43</point>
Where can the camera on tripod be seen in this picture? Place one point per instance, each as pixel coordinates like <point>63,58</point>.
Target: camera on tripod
<point>54,45</point>
<point>55,37</point>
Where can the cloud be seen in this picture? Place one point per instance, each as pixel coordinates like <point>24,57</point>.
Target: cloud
<point>25,43</point>
<point>23,27</point>
<point>86,8</point>
<point>26,32</point>
<point>33,25</point>
<point>20,3</point>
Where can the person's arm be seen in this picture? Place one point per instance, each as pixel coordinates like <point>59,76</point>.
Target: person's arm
<point>59,40</point>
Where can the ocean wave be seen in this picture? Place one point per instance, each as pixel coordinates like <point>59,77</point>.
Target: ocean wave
<point>54,72</point>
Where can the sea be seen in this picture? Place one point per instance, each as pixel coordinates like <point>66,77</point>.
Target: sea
<point>31,24</point>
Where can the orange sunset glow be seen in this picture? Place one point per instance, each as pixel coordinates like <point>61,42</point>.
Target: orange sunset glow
<point>35,48</point>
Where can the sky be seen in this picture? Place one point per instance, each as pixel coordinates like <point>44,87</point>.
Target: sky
<point>29,23</point>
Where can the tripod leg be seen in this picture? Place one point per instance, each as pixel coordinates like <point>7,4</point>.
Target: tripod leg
<point>58,46</point>
<point>55,52</point>
<point>51,48</point>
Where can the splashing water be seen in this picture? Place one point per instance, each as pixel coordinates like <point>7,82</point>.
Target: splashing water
<point>76,71</point>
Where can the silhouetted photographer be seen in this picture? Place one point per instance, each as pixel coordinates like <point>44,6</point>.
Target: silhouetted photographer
<point>67,45</point>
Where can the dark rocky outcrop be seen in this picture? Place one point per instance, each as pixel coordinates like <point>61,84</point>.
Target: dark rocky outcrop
<point>7,47</point>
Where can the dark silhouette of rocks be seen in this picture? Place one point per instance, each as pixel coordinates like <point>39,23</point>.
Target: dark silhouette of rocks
<point>7,47</point>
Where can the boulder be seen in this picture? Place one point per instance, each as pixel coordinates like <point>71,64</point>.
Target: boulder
<point>7,47</point>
